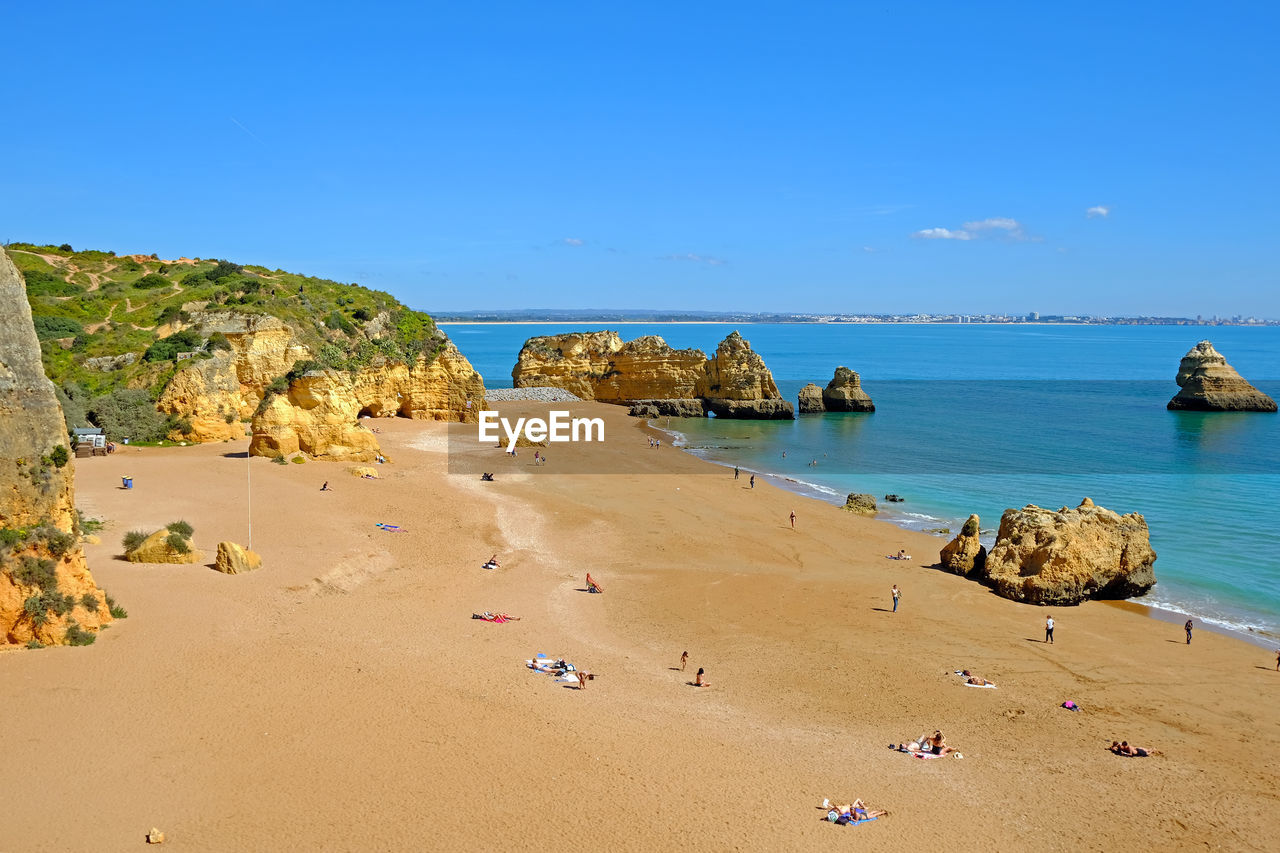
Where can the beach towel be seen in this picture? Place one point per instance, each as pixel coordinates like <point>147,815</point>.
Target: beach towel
<point>927,755</point>
<point>988,686</point>
<point>390,528</point>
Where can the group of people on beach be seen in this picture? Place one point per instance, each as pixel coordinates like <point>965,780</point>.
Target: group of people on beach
<point>699,680</point>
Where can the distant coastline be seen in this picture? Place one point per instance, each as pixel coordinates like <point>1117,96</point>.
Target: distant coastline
<point>534,317</point>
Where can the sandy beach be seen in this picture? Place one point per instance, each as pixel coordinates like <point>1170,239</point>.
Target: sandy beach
<point>343,698</point>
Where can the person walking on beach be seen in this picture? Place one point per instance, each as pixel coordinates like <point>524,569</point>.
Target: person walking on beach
<point>735,472</point>
<point>793,519</point>
<point>897,593</point>
<point>1187,628</point>
<point>684,658</point>
<point>1048,630</point>
<point>753,481</point>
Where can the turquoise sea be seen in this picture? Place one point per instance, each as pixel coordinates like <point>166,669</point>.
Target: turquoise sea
<point>979,418</point>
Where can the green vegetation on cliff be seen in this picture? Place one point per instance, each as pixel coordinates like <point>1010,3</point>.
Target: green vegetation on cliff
<point>114,329</point>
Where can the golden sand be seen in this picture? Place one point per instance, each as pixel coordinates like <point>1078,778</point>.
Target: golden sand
<point>342,697</point>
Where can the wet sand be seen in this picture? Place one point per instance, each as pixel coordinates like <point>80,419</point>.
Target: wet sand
<point>342,697</point>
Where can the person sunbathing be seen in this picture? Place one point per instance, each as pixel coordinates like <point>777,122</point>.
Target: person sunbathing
<point>493,561</point>
<point>937,745</point>
<point>698,681</point>
<point>1123,748</point>
<point>977,679</point>
<point>857,810</point>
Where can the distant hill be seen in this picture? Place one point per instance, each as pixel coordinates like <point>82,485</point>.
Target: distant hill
<point>121,326</point>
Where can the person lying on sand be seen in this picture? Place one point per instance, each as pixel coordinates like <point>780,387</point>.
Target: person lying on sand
<point>493,561</point>
<point>1123,748</point>
<point>857,810</point>
<point>978,680</point>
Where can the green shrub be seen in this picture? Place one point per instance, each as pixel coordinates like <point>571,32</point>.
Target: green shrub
<point>59,456</point>
<point>298,460</point>
<point>89,601</point>
<point>59,543</point>
<point>66,247</point>
<point>179,543</point>
<point>129,413</point>
<point>33,571</point>
<point>117,612</point>
<point>77,636</point>
<point>133,539</point>
<point>218,341</point>
<point>279,460</point>
<point>181,528</point>
<point>183,425</point>
<point>48,328</point>
<point>336,321</point>
<point>167,349</point>
<point>10,536</point>
<point>364,315</point>
<point>35,644</point>
<point>48,283</point>
<point>222,270</point>
<point>194,278</point>
<point>152,280</point>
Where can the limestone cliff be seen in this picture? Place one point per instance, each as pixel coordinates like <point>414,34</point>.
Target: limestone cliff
<point>320,412</point>
<point>844,393</point>
<point>216,394</point>
<point>45,587</point>
<point>1064,557</point>
<point>1209,384</point>
<point>733,382</point>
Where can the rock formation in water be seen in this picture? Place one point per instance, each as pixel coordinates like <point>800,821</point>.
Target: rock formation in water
<point>964,554</point>
<point>844,393</point>
<point>320,412</point>
<point>1064,557</point>
<point>47,595</point>
<point>810,400</point>
<point>861,504</point>
<point>1209,384</point>
<point>734,382</point>
<point>668,408</point>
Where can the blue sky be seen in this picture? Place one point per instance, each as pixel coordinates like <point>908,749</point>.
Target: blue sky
<point>1092,158</point>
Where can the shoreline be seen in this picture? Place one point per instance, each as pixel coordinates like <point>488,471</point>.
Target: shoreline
<point>1163,612</point>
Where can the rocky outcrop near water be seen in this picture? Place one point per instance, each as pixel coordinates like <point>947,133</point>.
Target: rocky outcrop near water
<point>1209,384</point>
<point>1064,557</point>
<point>861,504</point>
<point>844,393</point>
<point>810,400</point>
<point>734,382</point>
<point>964,554</point>
<point>320,412</point>
<point>47,595</point>
<point>668,408</point>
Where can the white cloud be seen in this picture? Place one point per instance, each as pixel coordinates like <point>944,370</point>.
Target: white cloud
<point>1000,223</point>
<point>572,241</point>
<point>1002,226</point>
<point>942,234</point>
<point>692,258</point>
<point>1099,211</point>
<point>869,249</point>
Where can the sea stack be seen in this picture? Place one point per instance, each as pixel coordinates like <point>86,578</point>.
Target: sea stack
<point>964,554</point>
<point>1209,384</point>
<point>844,393</point>
<point>810,400</point>
<point>47,595</point>
<point>648,375</point>
<point>1065,557</point>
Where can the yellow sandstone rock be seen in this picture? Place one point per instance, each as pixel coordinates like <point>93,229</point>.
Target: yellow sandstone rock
<point>232,559</point>
<point>156,548</point>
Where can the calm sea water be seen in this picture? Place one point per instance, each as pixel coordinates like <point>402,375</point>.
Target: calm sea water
<point>981,418</point>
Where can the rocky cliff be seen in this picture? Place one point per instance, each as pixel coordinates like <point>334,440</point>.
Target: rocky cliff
<point>46,590</point>
<point>844,393</point>
<point>319,414</point>
<point>733,382</point>
<point>216,394</point>
<point>1209,384</point>
<point>1046,557</point>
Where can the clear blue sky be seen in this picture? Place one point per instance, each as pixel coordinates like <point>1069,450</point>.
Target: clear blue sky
<point>698,155</point>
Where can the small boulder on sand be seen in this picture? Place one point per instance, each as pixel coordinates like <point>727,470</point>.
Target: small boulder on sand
<point>861,504</point>
<point>159,547</point>
<point>233,559</point>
